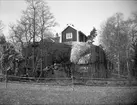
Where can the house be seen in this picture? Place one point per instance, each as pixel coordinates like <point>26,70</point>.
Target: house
<point>71,34</point>
<point>54,39</point>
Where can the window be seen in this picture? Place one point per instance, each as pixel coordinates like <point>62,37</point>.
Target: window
<point>68,35</point>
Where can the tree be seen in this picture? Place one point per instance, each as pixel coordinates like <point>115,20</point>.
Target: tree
<point>132,32</point>
<point>2,37</point>
<point>33,26</point>
<point>8,55</point>
<point>42,19</point>
<point>1,26</point>
<point>92,35</point>
<point>2,41</point>
<point>19,36</point>
<point>114,39</point>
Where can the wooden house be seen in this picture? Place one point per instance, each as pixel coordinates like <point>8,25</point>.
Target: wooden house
<point>71,34</point>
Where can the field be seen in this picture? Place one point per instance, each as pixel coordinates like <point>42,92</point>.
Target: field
<point>34,94</point>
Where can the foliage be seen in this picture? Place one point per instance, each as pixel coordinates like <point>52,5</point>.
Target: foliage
<point>114,39</point>
<point>8,56</point>
<point>132,32</point>
<point>2,39</point>
<point>63,54</point>
<point>1,26</point>
<point>34,25</point>
<point>92,35</point>
<point>46,54</point>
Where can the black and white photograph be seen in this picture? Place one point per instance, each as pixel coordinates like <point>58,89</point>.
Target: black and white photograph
<point>68,52</point>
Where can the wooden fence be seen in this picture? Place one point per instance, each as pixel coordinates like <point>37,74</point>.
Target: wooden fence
<point>69,81</point>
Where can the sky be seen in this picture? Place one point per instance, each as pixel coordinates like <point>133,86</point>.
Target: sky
<point>83,14</point>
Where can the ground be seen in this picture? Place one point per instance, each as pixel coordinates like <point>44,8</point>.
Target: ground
<point>34,94</point>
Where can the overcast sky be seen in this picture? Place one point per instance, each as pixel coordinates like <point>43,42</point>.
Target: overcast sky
<point>83,14</point>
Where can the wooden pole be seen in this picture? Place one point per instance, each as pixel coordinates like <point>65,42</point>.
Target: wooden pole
<point>6,79</point>
<point>41,57</point>
<point>127,56</point>
<point>118,65</point>
<point>118,47</point>
<point>34,33</point>
<point>72,77</point>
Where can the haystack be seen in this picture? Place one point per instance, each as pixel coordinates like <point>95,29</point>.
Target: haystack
<point>81,52</point>
<point>87,59</point>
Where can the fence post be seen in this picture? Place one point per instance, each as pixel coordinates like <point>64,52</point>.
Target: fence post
<point>6,79</point>
<point>118,65</point>
<point>128,70</point>
<point>72,77</point>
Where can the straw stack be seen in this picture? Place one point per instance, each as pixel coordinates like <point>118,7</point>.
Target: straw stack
<point>85,59</point>
<point>82,53</point>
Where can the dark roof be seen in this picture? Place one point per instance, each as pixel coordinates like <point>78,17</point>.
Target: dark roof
<point>68,27</point>
<point>82,33</point>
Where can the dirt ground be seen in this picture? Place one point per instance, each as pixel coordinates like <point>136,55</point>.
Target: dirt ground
<point>34,94</point>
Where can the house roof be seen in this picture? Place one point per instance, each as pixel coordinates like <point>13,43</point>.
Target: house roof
<point>81,32</point>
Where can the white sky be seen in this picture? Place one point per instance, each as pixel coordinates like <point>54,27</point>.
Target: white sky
<point>84,14</point>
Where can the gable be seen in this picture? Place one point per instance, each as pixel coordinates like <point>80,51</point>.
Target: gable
<point>72,34</point>
<point>69,28</point>
<point>69,34</point>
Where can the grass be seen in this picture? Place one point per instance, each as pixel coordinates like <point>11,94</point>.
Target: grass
<point>32,94</point>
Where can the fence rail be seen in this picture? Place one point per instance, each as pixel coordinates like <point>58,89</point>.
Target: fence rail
<point>103,79</point>
<point>68,81</point>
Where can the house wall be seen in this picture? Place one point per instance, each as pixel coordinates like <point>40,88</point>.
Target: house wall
<point>69,30</point>
<point>82,38</point>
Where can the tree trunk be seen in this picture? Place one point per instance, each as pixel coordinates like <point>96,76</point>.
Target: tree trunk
<point>128,70</point>
<point>118,65</point>
<point>34,32</point>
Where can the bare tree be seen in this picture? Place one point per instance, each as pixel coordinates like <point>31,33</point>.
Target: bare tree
<point>40,17</point>
<point>20,34</point>
<point>33,26</point>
